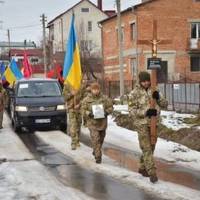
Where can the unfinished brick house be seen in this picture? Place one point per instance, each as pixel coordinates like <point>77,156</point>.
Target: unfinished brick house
<point>177,20</point>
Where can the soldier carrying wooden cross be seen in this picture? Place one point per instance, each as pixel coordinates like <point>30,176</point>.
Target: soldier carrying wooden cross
<point>145,102</point>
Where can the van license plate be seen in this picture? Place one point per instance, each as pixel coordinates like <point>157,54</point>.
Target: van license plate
<point>41,121</point>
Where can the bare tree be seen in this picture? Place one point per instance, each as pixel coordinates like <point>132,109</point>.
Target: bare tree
<point>90,59</point>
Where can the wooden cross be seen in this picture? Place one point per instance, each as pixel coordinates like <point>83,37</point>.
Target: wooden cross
<point>154,42</point>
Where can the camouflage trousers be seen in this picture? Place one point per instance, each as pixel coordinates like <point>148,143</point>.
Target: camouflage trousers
<point>1,118</point>
<point>146,160</point>
<point>97,139</point>
<point>75,121</point>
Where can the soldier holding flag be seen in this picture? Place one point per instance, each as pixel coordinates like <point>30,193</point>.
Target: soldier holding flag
<point>72,82</point>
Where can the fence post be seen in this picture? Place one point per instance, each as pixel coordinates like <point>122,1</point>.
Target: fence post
<point>199,97</point>
<point>185,97</point>
<point>173,97</point>
<point>165,89</point>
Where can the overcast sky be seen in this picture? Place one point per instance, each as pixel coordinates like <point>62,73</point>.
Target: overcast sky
<point>22,17</point>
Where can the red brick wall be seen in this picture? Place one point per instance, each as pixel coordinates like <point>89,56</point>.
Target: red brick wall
<point>173,21</point>
<point>110,45</point>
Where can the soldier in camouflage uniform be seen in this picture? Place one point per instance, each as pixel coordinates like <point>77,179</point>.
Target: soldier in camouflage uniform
<point>73,99</point>
<point>96,126</point>
<point>85,91</point>
<point>141,113</point>
<point>3,102</point>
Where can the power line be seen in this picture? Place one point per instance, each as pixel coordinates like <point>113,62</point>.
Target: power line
<point>24,27</point>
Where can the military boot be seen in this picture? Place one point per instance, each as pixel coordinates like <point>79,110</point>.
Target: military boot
<point>143,172</point>
<point>73,146</point>
<point>78,144</point>
<point>98,160</point>
<point>153,178</point>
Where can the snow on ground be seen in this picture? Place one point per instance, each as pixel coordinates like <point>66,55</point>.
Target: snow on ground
<point>165,150</point>
<point>11,147</point>
<point>31,180</point>
<point>170,119</point>
<point>27,179</point>
<point>83,156</point>
<point>169,151</point>
<point>174,120</point>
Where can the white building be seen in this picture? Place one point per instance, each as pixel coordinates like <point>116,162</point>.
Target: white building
<point>87,16</point>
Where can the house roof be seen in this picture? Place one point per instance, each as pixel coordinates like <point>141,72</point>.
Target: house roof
<point>17,44</point>
<point>110,13</point>
<point>105,12</point>
<point>29,52</point>
<point>128,9</point>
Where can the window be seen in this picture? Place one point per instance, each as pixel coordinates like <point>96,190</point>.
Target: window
<point>90,26</point>
<point>34,60</point>
<point>35,89</point>
<point>195,30</point>
<point>133,31</point>
<point>84,9</point>
<point>195,63</point>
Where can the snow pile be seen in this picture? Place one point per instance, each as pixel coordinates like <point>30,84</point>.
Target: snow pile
<point>170,119</point>
<point>174,120</point>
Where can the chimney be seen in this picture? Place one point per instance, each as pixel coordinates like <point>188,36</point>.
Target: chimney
<point>99,4</point>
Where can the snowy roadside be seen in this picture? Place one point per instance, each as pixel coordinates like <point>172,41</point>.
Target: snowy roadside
<point>165,150</point>
<point>170,119</point>
<point>83,156</point>
<point>24,178</point>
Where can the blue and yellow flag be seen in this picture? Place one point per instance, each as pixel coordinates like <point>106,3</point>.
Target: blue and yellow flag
<point>72,66</point>
<point>9,75</point>
<point>15,69</point>
<point>2,70</point>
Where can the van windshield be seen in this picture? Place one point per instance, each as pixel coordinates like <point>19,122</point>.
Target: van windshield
<point>38,89</point>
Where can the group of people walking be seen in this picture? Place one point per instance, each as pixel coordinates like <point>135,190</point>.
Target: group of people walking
<point>91,106</point>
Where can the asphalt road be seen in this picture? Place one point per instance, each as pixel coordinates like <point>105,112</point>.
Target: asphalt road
<point>96,185</point>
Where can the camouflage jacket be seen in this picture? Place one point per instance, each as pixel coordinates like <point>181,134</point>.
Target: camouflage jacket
<point>72,100</point>
<point>3,98</point>
<point>139,103</point>
<point>86,108</point>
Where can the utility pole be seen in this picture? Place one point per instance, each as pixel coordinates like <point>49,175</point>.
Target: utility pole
<point>8,33</point>
<point>1,22</point>
<point>44,19</point>
<point>120,43</point>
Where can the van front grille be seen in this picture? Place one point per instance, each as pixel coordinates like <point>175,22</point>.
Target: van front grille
<point>41,108</point>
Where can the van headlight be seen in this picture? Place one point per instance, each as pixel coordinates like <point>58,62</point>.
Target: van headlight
<point>60,107</point>
<point>21,108</point>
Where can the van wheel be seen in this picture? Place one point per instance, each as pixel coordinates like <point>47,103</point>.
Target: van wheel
<point>16,128</point>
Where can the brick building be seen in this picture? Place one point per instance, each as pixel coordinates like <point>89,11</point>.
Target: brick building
<point>35,57</point>
<point>177,20</point>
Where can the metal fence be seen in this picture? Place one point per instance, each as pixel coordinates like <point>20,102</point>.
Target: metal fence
<point>182,97</point>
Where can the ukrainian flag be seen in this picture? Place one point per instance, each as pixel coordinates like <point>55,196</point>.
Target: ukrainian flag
<point>15,69</point>
<point>9,75</point>
<point>72,66</point>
